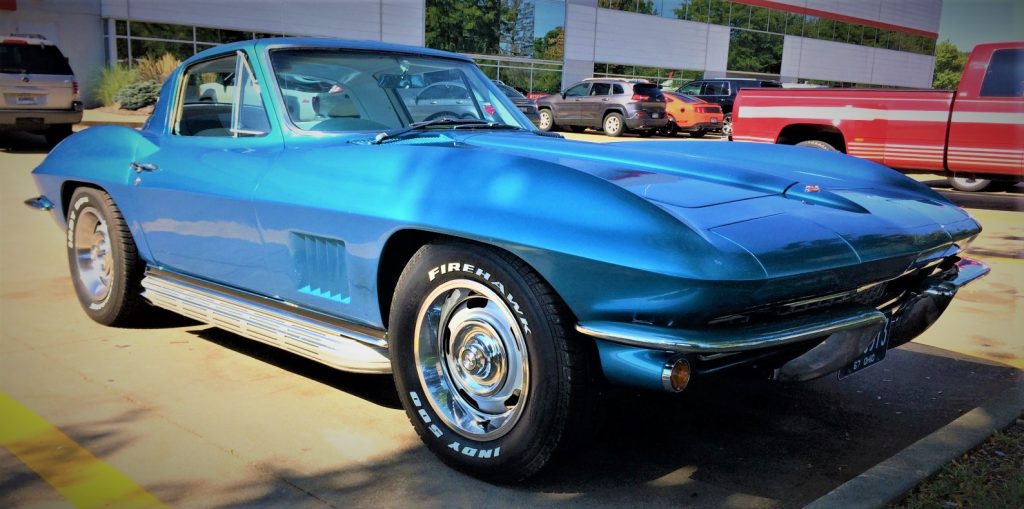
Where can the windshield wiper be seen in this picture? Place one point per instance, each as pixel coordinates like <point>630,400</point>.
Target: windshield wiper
<point>454,122</point>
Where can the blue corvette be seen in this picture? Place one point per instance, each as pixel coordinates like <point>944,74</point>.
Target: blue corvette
<point>386,209</point>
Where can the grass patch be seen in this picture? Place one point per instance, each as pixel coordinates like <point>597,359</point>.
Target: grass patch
<point>111,81</point>
<point>990,476</point>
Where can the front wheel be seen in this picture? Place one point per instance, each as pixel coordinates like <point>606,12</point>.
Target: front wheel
<point>614,125</point>
<point>727,125</point>
<point>969,184</point>
<point>105,266</point>
<point>483,361</point>
<point>547,121</point>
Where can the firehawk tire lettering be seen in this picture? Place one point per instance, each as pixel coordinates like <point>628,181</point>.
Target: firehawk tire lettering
<point>459,310</point>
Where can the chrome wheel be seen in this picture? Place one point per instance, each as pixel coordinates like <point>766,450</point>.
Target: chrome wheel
<point>471,359</point>
<point>93,255</point>
<point>545,120</point>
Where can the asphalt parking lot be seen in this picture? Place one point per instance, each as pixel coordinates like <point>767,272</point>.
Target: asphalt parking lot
<point>198,417</point>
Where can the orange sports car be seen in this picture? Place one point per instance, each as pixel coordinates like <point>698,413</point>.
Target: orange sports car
<point>691,114</point>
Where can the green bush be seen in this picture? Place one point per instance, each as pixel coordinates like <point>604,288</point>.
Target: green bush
<point>138,95</point>
<point>111,81</point>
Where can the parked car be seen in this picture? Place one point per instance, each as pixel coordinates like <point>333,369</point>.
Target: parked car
<point>614,105</point>
<point>722,91</point>
<point>525,105</point>
<point>691,115</point>
<point>974,136</point>
<point>502,274</point>
<point>39,90</point>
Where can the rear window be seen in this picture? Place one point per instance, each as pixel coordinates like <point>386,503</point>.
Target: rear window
<point>32,59</point>
<point>1005,74</point>
<point>509,91</point>
<point>647,89</point>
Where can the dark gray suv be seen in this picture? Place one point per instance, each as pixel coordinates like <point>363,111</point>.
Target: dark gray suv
<point>613,105</point>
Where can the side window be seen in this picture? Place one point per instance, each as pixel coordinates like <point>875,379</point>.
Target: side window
<point>716,88</point>
<point>600,89</point>
<point>691,88</point>
<point>1005,74</point>
<point>220,98</point>
<point>617,89</point>
<point>578,90</point>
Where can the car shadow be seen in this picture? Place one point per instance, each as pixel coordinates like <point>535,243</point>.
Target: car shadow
<point>376,389</point>
<point>17,142</point>
<point>1006,199</point>
<point>725,442</point>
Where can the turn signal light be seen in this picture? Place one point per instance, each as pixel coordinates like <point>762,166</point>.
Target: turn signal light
<point>676,375</point>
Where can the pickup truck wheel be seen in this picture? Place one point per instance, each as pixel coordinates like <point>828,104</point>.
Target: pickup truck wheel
<point>614,125</point>
<point>727,125</point>
<point>818,144</point>
<point>969,184</point>
<point>547,121</point>
<point>57,133</point>
<point>483,361</point>
<point>105,267</point>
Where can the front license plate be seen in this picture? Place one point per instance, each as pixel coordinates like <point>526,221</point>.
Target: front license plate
<point>26,99</point>
<point>872,355</point>
<point>655,115</point>
<point>714,120</point>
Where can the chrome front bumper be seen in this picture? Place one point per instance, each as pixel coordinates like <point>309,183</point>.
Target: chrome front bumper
<point>842,334</point>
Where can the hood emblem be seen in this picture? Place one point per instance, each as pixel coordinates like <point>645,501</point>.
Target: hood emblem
<point>812,189</point>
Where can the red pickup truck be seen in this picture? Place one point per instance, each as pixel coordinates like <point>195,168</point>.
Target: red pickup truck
<point>974,135</point>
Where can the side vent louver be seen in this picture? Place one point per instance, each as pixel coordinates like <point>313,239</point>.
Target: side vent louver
<point>320,263</point>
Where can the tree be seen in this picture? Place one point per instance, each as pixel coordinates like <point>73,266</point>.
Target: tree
<point>949,65</point>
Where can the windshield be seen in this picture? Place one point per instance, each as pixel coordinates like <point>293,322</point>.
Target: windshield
<point>344,90</point>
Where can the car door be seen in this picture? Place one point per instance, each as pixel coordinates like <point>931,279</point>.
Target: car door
<point>717,92</point>
<point>569,109</point>
<point>985,131</point>
<point>195,178</point>
<point>592,106</point>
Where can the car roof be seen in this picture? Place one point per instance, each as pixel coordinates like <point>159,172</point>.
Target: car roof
<point>685,97</point>
<point>321,42</point>
<point>26,39</point>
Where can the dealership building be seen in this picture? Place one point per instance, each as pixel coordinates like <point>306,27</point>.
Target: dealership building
<point>536,45</point>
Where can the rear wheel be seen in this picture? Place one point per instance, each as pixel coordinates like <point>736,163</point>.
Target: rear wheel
<point>670,129</point>
<point>614,125</point>
<point>547,121</point>
<point>105,266</point>
<point>969,184</point>
<point>483,361</point>
<point>818,144</point>
<point>727,125</point>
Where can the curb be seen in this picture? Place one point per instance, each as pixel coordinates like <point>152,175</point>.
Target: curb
<point>893,478</point>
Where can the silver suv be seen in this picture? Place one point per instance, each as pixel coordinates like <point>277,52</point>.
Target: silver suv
<point>613,105</point>
<point>38,91</point>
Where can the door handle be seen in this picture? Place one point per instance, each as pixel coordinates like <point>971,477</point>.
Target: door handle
<point>141,167</point>
<point>604,100</point>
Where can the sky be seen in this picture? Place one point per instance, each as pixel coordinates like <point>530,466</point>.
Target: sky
<point>967,23</point>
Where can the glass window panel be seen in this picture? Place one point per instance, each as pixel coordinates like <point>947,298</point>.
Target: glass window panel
<point>600,89</point>
<point>759,18</point>
<point>122,50</point>
<point>1005,75</point>
<point>794,24</point>
<point>218,36</point>
<point>546,82</point>
<point>855,34</point>
<point>156,49</point>
<point>717,12</point>
<point>777,21</point>
<point>209,93</point>
<point>869,37</point>
<point>161,31</point>
<point>884,39</point>
<point>755,52</point>
<point>811,24</point>
<point>739,16</point>
<point>121,27</point>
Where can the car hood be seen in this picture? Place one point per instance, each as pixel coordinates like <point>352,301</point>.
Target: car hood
<point>779,203</point>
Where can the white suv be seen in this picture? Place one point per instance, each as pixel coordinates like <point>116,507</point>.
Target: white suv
<point>38,91</point>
